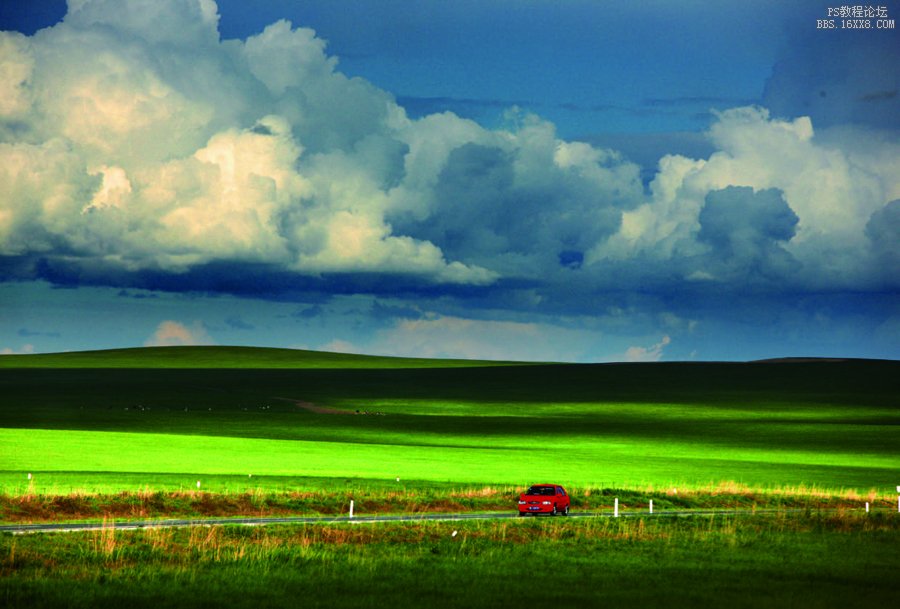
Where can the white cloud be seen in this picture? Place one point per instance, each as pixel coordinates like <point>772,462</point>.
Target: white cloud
<point>23,350</point>
<point>186,22</point>
<point>833,184</point>
<point>283,57</point>
<point>136,138</point>
<point>647,354</point>
<point>172,334</point>
<point>455,337</point>
<point>15,73</point>
<point>340,346</point>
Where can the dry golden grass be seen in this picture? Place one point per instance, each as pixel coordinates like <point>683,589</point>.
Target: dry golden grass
<point>149,504</point>
<point>103,540</point>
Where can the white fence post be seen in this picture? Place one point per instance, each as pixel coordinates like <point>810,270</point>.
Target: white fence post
<point>616,508</point>
<point>351,508</point>
<point>867,507</point>
<point>651,506</point>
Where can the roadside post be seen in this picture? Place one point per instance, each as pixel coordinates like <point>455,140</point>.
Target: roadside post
<point>651,506</point>
<point>351,509</point>
<point>616,508</point>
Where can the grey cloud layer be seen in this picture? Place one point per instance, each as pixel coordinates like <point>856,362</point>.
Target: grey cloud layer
<point>840,78</point>
<point>134,140</point>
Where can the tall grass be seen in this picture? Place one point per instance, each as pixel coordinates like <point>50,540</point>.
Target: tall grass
<point>833,560</point>
<point>148,504</point>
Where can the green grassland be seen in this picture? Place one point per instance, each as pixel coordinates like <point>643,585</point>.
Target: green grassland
<point>827,424</point>
<point>127,434</point>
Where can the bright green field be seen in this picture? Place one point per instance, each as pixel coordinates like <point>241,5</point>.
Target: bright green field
<point>158,417</point>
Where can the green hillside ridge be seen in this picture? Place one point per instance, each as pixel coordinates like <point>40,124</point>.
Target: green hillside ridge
<point>227,357</point>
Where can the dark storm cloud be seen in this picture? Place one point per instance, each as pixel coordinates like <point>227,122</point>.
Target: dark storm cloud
<point>16,268</point>
<point>739,222</point>
<point>747,230</point>
<point>492,206</point>
<point>243,279</point>
<point>839,77</point>
<point>237,278</point>
<point>883,230</point>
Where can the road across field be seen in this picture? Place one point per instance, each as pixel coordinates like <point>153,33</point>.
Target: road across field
<point>19,529</point>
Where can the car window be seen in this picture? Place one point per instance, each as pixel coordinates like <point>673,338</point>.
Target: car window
<point>540,490</point>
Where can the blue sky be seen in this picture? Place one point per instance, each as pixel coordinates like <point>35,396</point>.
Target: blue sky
<point>532,179</point>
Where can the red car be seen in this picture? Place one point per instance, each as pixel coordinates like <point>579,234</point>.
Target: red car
<point>544,499</point>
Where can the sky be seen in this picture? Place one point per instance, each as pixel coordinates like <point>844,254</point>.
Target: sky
<point>553,180</point>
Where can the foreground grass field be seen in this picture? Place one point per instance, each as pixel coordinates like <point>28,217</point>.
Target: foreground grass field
<point>812,560</point>
<point>129,434</point>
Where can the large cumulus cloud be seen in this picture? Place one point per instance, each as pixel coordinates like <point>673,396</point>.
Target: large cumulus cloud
<point>135,143</point>
<point>799,211</point>
<point>521,202</point>
<point>883,230</point>
<point>135,139</point>
<point>747,229</point>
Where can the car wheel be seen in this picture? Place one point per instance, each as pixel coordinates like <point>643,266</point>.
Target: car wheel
<point>554,512</point>
<point>565,511</point>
